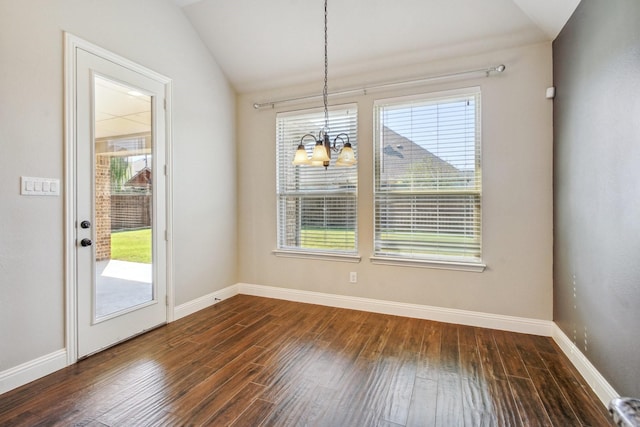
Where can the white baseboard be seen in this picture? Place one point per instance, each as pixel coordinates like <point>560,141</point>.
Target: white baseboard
<point>32,370</point>
<point>448,315</point>
<point>598,383</point>
<point>198,304</point>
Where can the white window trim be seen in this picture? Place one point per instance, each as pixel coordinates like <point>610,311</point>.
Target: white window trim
<point>476,267</point>
<point>431,262</point>
<point>324,256</point>
<point>320,254</point>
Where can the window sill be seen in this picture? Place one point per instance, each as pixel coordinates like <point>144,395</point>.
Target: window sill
<point>317,255</point>
<point>476,267</point>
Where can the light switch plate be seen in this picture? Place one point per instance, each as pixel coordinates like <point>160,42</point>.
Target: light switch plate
<point>31,186</point>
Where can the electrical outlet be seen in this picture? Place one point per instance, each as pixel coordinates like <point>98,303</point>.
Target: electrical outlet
<point>353,277</point>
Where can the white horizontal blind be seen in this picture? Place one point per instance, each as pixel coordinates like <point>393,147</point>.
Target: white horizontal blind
<point>428,188</point>
<point>317,208</point>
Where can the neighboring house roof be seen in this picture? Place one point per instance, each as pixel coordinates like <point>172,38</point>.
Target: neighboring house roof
<point>402,159</point>
<point>142,179</point>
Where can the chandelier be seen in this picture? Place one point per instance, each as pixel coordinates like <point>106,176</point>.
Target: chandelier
<point>321,155</point>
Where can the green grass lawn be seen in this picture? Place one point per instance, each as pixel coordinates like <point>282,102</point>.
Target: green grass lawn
<point>433,244</point>
<point>321,238</point>
<point>135,246</point>
<point>132,246</point>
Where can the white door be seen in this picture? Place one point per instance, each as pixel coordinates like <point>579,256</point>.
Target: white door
<point>120,208</point>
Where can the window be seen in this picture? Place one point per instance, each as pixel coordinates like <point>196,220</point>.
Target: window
<point>428,188</point>
<point>317,207</point>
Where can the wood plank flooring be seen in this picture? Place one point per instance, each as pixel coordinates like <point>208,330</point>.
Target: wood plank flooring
<point>250,361</point>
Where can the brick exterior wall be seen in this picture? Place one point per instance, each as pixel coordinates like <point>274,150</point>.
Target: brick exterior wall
<point>103,208</point>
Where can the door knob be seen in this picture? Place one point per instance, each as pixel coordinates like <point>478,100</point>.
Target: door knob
<point>85,242</point>
<point>85,224</point>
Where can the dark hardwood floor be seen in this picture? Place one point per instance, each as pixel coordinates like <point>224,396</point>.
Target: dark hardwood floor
<point>250,361</point>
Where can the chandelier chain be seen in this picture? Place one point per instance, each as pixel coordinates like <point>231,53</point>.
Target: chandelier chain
<point>325,92</point>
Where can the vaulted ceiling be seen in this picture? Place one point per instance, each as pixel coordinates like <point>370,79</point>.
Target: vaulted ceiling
<point>263,44</point>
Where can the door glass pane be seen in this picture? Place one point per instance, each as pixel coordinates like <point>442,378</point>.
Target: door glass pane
<point>123,189</point>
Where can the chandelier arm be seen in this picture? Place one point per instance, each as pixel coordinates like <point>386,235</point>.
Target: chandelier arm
<point>307,135</point>
<point>341,137</point>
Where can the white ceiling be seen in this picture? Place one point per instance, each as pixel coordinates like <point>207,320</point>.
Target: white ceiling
<point>263,44</point>
<point>120,110</point>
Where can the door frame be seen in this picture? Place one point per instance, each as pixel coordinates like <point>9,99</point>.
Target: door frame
<point>72,44</point>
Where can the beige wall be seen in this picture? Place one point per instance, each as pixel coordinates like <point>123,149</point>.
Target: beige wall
<point>517,206</point>
<point>153,33</point>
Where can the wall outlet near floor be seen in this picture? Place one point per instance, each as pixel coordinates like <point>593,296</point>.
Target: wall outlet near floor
<point>353,277</point>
